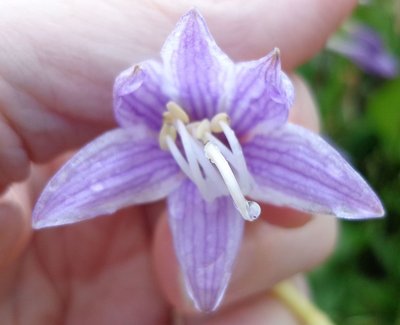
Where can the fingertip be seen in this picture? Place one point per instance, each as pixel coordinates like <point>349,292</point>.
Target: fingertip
<point>284,217</point>
<point>270,254</point>
<point>14,161</point>
<point>263,25</point>
<point>304,111</point>
<point>167,269</point>
<point>14,232</point>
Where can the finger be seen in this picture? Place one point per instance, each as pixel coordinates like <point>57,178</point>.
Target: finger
<point>261,309</point>
<point>304,111</point>
<point>283,217</point>
<point>16,210</point>
<point>268,255</point>
<point>56,78</point>
<point>15,229</point>
<point>14,163</point>
<point>249,31</point>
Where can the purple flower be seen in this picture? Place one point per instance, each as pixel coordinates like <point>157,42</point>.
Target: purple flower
<point>364,47</point>
<point>205,133</point>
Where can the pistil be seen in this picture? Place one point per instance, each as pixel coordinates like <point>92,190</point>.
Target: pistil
<point>249,210</point>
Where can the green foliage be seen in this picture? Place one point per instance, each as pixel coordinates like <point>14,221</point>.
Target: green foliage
<point>360,284</point>
<point>383,113</point>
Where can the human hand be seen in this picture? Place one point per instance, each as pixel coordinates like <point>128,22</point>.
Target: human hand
<point>57,67</point>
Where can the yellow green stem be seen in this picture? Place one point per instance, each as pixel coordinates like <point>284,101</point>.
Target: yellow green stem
<point>299,305</point>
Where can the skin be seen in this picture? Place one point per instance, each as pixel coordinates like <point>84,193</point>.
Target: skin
<point>57,65</point>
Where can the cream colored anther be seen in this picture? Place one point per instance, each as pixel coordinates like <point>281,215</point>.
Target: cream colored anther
<point>216,120</point>
<point>177,112</point>
<point>202,129</point>
<point>168,118</point>
<point>166,131</point>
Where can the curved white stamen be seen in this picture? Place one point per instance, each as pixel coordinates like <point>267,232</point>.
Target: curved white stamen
<point>201,150</point>
<point>235,157</point>
<point>248,209</point>
<point>214,186</point>
<point>188,146</point>
<point>166,130</point>
<point>180,160</point>
<point>206,178</point>
<point>221,146</point>
<point>244,177</point>
<point>239,158</point>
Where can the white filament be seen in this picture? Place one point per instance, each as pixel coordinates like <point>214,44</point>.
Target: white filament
<point>236,148</point>
<point>190,155</point>
<point>196,166</point>
<point>176,154</point>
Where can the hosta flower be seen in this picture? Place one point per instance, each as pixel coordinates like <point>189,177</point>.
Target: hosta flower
<point>212,137</point>
<point>362,45</point>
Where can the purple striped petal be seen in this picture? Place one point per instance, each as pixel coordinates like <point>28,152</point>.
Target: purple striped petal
<point>118,169</point>
<point>364,46</point>
<point>295,167</point>
<point>195,67</point>
<point>262,94</point>
<point>138,98</point>
<point>207,236</point>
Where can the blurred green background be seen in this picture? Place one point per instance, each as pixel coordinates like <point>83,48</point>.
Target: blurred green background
<point>360,283</point>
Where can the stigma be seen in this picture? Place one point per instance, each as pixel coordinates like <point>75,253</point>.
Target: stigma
<point>215,163</point>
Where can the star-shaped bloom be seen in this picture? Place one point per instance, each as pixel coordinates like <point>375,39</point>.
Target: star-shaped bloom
<point>365,48</point>
<point>205,133</point>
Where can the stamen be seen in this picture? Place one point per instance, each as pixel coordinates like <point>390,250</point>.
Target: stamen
<point>166,131</point>
<point>238,153</point>
<point>168,118</point>
<point>216,120</point>
<point>249,210</point>
<point>180,160</point>
<point>188,146</point>
<point>201,150</point>
<point>177,112</point>
<point>202,129</point>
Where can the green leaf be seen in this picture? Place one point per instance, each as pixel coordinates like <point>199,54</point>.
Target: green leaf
<point>383,113</point>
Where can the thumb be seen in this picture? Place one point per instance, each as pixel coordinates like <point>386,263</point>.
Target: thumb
<point>60,59</point>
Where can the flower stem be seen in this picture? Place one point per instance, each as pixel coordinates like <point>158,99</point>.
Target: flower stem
<point>299,305</point>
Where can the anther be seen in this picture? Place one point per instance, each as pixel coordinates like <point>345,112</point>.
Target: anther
<point>166,131</point>
<point>177,112</point>
<point>168,118</point>
<point>202,129</point>
<point>216,120</point>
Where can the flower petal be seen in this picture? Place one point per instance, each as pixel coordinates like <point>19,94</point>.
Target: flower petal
<point>262,94</point>
<point>138,98</point>
<point>207,236</point>
<point>296,168</point>
<point>364,46</point>
<point>195,67</point>
<point>120,168</point>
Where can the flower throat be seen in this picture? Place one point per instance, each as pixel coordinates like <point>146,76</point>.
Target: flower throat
<point>216,169</point>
